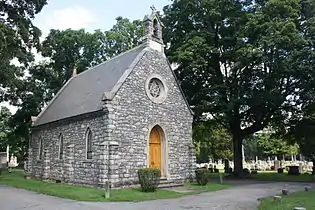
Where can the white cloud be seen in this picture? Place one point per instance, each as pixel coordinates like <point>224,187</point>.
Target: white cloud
<point>73,17</point>
<point>12,109</point>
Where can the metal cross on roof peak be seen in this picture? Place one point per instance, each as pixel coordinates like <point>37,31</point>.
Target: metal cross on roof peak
<point>153,8</point>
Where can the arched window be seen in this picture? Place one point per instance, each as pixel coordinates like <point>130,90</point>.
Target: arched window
<point>40,148</point>
<point>88,137</point>
<point>60,146</point>
<point>155,28</point>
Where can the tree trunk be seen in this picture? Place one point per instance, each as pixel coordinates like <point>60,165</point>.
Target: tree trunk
<point>237,154</point>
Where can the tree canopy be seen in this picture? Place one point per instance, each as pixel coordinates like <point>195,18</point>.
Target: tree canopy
<point>212,141</point>
<point>63,51</point>
<point>246,63</point>
<point>5,115</point>
<point>18,37</point>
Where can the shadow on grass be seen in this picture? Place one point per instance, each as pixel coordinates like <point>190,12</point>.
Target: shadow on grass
<point>268,176</point>
<point>296,199</point>
<point>80,193</point>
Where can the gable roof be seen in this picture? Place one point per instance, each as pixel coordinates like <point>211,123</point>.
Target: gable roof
<point>84,93</point>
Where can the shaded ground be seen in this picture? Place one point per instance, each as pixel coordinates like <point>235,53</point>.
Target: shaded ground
<point>243,196</point>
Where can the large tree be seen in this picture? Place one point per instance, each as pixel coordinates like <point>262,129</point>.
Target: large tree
<point>243,62</point>
<point>302,131</point>
<point>63,51</point>
<point>212,141</point>
<point>272,145</point>
<point>5,115</point>
<point>18,37</point>
<point>124,35</point>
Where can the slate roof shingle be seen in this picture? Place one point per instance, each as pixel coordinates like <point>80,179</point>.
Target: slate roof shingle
<point>83,93</point>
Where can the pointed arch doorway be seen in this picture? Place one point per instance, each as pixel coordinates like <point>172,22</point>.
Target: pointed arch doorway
<point>157,150</point>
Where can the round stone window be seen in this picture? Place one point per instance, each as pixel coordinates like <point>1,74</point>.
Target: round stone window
<point>156,89</point>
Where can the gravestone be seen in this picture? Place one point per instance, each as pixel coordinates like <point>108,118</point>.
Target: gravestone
<point>301,167</point>
<point>227,166</point>
<point>293,170</point>
<point>276,165</point>
<point>3,160</point>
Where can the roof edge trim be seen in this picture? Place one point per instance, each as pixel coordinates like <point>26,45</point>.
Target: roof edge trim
<point>110,95</point>
<point>180,89</point>
<point>51,101</point>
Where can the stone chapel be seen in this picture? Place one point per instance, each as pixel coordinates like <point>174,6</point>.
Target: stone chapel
<point>106,123</point>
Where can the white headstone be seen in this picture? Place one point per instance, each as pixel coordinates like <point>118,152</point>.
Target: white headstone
<point>8,153</point>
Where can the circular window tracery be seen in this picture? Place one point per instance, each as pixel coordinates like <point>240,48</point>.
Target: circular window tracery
<point>155,88</point>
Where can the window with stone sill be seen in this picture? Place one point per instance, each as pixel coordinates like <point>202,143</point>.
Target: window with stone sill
<point>89,151</point>
<point>60,146</point>
<point>40,148</point>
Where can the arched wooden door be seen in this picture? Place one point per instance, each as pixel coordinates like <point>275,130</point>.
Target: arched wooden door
<point>155,148</point>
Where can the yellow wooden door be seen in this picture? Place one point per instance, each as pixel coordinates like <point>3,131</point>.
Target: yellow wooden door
<point>155,149</point>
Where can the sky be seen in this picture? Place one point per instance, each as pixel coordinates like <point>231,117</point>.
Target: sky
<point>90,15</point>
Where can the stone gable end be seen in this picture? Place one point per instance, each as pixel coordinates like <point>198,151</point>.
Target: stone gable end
<point>134,115</point>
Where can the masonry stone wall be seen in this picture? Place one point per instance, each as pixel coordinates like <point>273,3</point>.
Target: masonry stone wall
<point>73,167</point>
<point>134,115</point>
<point>124,127</point>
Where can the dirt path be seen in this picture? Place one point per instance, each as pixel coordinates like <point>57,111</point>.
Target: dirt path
<point>241,197</point>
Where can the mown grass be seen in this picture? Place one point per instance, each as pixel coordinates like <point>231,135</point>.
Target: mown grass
<point>284,177</point>
<point>79,193</point>
<point>271,176</point>
<point>296,199</point>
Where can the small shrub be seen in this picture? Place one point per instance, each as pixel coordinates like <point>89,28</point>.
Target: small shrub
<point>202,176</point>
<point>149,179</point>
<point>216,170</point>
<point>254,172</point>
<point>191,178</point>
<point>210,170</point>
<point>280,170</point>
<point>294,170</point>
<point>246,171</point>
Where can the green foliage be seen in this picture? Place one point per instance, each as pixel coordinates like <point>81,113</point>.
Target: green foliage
<point>202,176</point>
<point>123,36</point>
<point>211,141</point>
<point>267,144</point>
<point>247,63</point>
<point>18,36</point>
<point>251,148</point>
<point>303,133</point>
<point>294,199</point>
<point>149,179</point>
<point>80,193</point>
<point>5,115</point>
<point>272,145</point>
<point>64,50</point>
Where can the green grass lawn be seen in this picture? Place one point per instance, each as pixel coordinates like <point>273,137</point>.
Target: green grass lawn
<point>16,179</point>
<point>297,199</point>
<point>272,176</point>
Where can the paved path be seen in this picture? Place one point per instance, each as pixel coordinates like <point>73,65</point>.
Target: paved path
<point>242,197</point>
